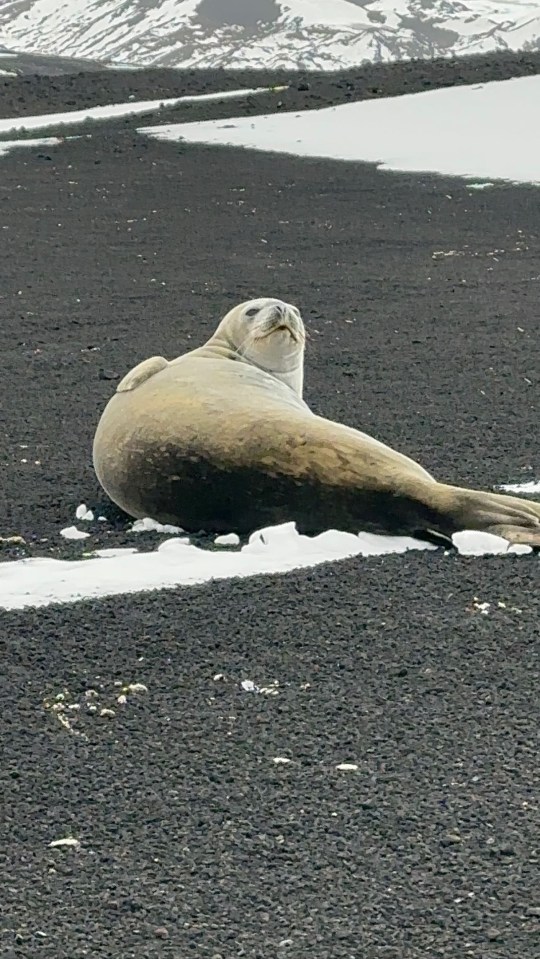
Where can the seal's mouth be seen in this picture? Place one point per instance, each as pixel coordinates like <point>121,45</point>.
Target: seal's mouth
<point>277,329</point>
<point>282,327</point>
<point>287,329</point>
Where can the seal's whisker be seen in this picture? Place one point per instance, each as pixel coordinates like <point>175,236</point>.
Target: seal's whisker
<point>296,335</point>
<point>249,338</point>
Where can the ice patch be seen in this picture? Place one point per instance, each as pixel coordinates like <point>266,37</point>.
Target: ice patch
<point>83,513</point>
<point>71,532</point>
<point>176,562</point>
<point>454,131</point>
<point>470,543</point>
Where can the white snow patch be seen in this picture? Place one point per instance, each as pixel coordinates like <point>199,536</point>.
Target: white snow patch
<point>228,539</point>
<point>6,145</point>
<point>471,543</point>
<point>176,562</point>
<point>148,525</point>
<point>83,513</point>
<point>71,532</point>
<point>532,487</point>
<point>11,124</point>
<point>455,131</point>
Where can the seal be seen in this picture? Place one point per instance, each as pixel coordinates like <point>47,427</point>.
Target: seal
<point>221,439</point>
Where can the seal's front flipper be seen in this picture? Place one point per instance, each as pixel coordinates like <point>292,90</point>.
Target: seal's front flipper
<point>139,374</point>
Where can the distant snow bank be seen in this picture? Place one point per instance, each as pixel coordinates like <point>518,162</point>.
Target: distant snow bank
<point>483,130</point>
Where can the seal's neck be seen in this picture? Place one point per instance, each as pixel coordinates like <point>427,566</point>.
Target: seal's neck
<point>292,377</point>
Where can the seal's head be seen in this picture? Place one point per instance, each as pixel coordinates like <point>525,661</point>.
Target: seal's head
<point>268,333</point>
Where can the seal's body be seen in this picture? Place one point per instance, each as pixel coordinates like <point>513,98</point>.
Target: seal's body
<point>220,439</point>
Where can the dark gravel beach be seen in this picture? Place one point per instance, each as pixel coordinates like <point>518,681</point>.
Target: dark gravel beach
<point>421,297</point>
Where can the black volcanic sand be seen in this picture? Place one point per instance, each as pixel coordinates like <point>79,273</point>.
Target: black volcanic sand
<point>421,296</point>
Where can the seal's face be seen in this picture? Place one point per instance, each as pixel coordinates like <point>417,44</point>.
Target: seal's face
<point>273,318</point>
<point>274,337</point>
<point>270,334</point>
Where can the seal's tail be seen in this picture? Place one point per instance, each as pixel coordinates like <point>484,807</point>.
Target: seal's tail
<point>517,520</point>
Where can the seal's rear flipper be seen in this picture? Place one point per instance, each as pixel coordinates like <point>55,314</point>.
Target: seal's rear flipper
<point>514,519</point>
<point>517,536</point>
<point>139,374</point>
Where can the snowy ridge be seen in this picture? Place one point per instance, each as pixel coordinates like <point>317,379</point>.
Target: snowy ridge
<point>289,34</point>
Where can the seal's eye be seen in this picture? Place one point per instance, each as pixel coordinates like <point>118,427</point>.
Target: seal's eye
<point>253,310</point>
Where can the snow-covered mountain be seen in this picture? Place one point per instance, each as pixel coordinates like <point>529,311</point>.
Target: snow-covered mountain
<point>291,34</point>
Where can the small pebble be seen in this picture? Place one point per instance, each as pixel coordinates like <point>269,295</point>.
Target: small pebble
<point>68,841</point>
<point>451,839</point>
<point>506,850</point>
